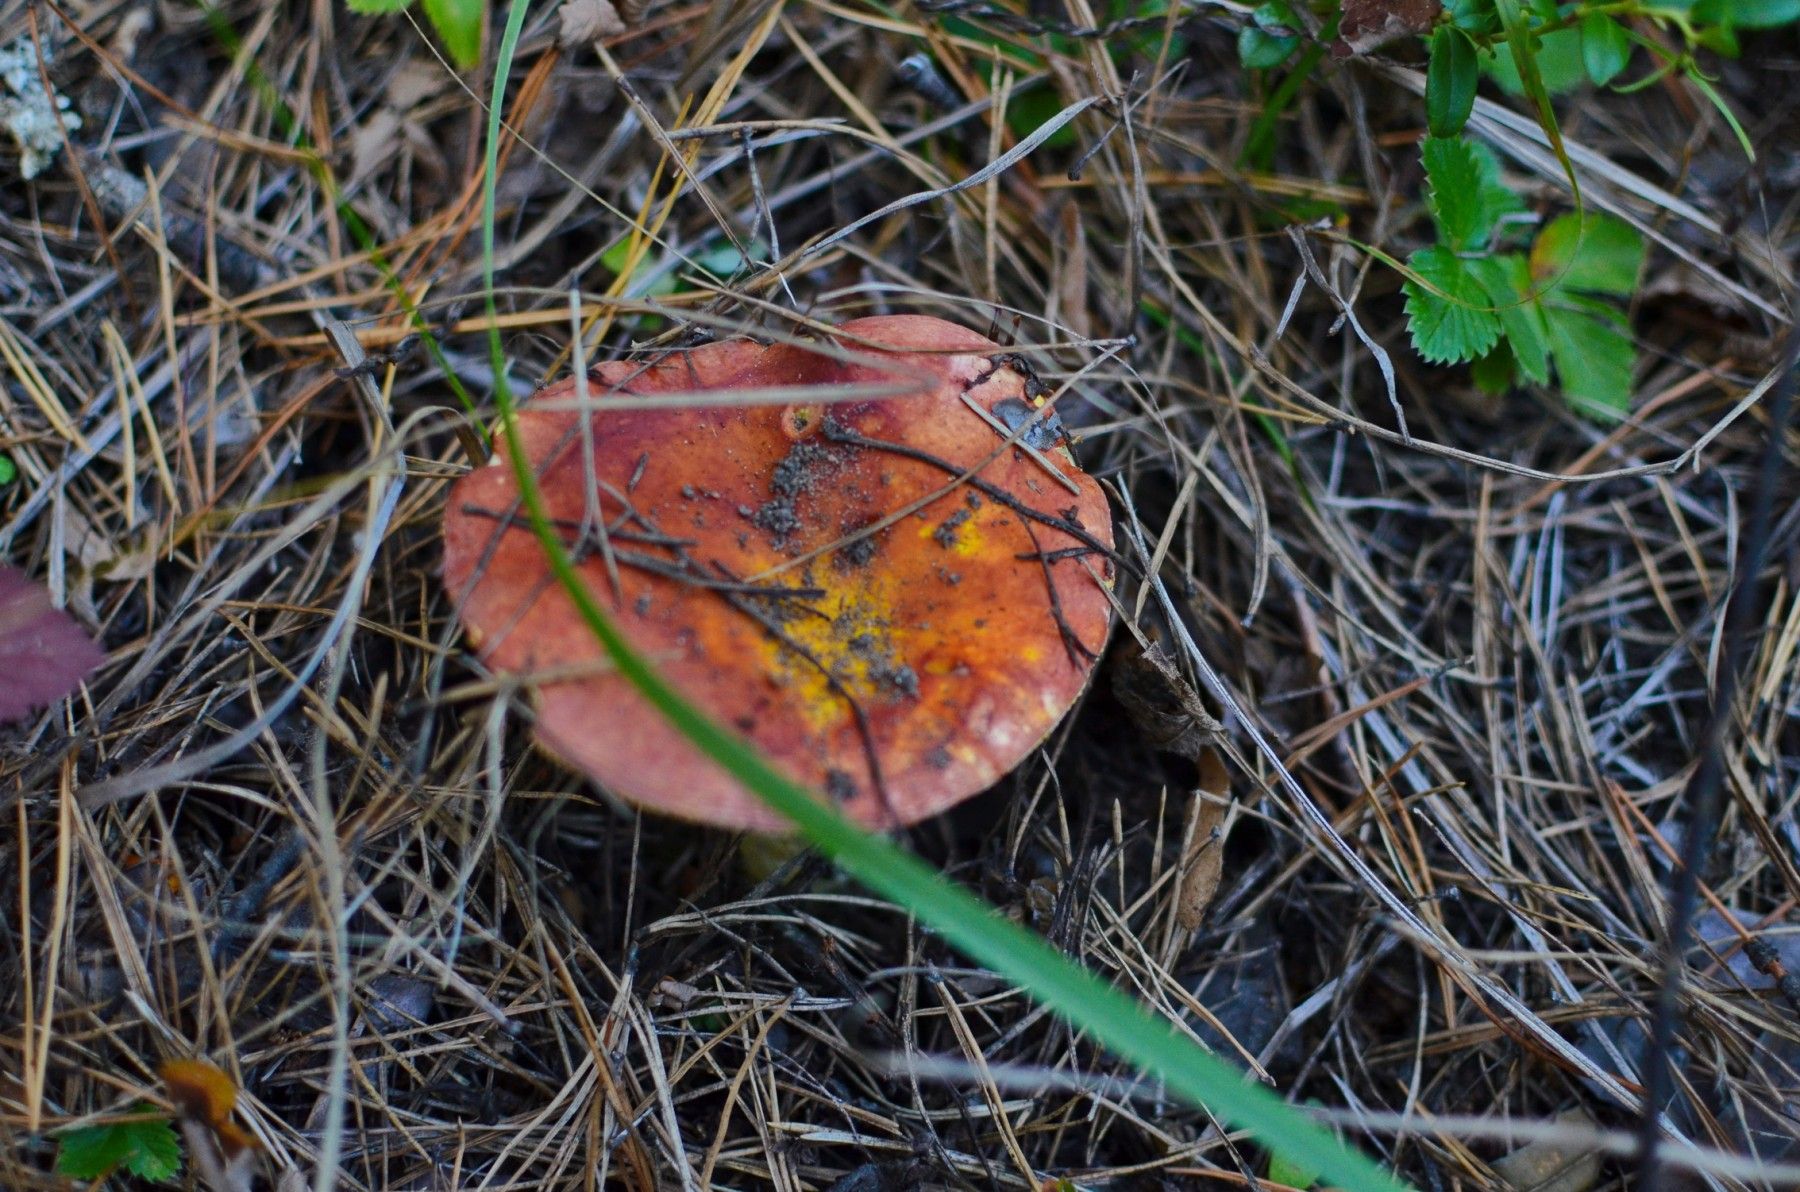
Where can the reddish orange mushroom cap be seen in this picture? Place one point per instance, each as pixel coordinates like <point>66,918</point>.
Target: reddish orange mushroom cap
<point>899,670</point>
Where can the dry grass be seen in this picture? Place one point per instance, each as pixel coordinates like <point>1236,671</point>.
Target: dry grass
<point>292,827</point>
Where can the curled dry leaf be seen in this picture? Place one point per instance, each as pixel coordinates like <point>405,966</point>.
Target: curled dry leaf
<point>889,599</point>
<point>1169,715</point>
<point>1203,849</point>
<point>223,1152</point>
<point>44,654</point>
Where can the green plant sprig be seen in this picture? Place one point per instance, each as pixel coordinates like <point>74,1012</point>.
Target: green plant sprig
<point>1516,315</point>
<point>143,1144</point>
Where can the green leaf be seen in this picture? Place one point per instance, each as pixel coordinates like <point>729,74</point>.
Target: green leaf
<point>9,471</point>
<point>1495,372</point>
<point>1466,195</point>
<point>1258,50</point>
<point>1720,39</point>
<point>376,6</point>
<point>1764,14</point>
<point>1605,48</point>
<point>1594,355</point>
<point>651,277</point>
<point>1147,41</point>
<point>1450,322</point>
<point>1506,280</point>
<point>1555,57</point>
<point>1705,87</point>
<point>1476,16</point>
<point>1592,253</point>
<point>1451,74</point>
<point>144,1146</point>
<point>723,260</point>
<point>1267,40</point>
<point>1027,112</point>
<point>459,23</point>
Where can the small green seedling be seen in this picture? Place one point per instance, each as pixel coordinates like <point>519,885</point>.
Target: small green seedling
<point>144,1145</point>
<point>1521,316</point>
<point>458,22</point>
<point>1589,43</point>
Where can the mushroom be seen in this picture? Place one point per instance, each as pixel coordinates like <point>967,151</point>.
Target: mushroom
<point>894,598</point>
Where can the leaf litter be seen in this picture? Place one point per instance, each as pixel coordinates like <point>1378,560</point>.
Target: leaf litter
<point>1508,617</point>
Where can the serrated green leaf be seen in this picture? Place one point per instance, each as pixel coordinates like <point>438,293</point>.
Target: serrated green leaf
<point>1591,253</point>
<point>1451,73</point>
<point>1594,355</point>
<point>1450,322</point>
<point>459,23</point>
<point>1466,195</point>
<point>147,1147</point>
<point>1453,188</point>
<point>1605,48</point>
<point>156,1153</point>
<point>369,7</point>
<point>1507,281</point>
<point>91,1152</point>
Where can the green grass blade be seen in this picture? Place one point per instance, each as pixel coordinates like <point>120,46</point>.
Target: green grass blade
<point>1112,1018</point>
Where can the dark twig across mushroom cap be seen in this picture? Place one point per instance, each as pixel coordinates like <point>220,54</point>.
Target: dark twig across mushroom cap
<point>892,602</point>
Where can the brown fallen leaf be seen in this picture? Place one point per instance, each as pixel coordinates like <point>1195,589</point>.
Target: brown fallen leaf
<point>44,653</point>
<point>1366,24</point>
<point>584,21</point>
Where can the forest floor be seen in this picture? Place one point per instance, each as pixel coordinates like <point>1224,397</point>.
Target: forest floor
<point>295,828</point>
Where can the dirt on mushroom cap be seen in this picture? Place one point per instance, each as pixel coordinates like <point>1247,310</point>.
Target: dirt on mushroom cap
<point>821,576</point>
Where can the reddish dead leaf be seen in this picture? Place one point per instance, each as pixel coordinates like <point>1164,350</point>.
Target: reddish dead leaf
<point>44,654</point>
<point>1366,24</point>
<point>818,575</point>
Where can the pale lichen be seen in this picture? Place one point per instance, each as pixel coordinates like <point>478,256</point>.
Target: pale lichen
<point>36,116</point>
